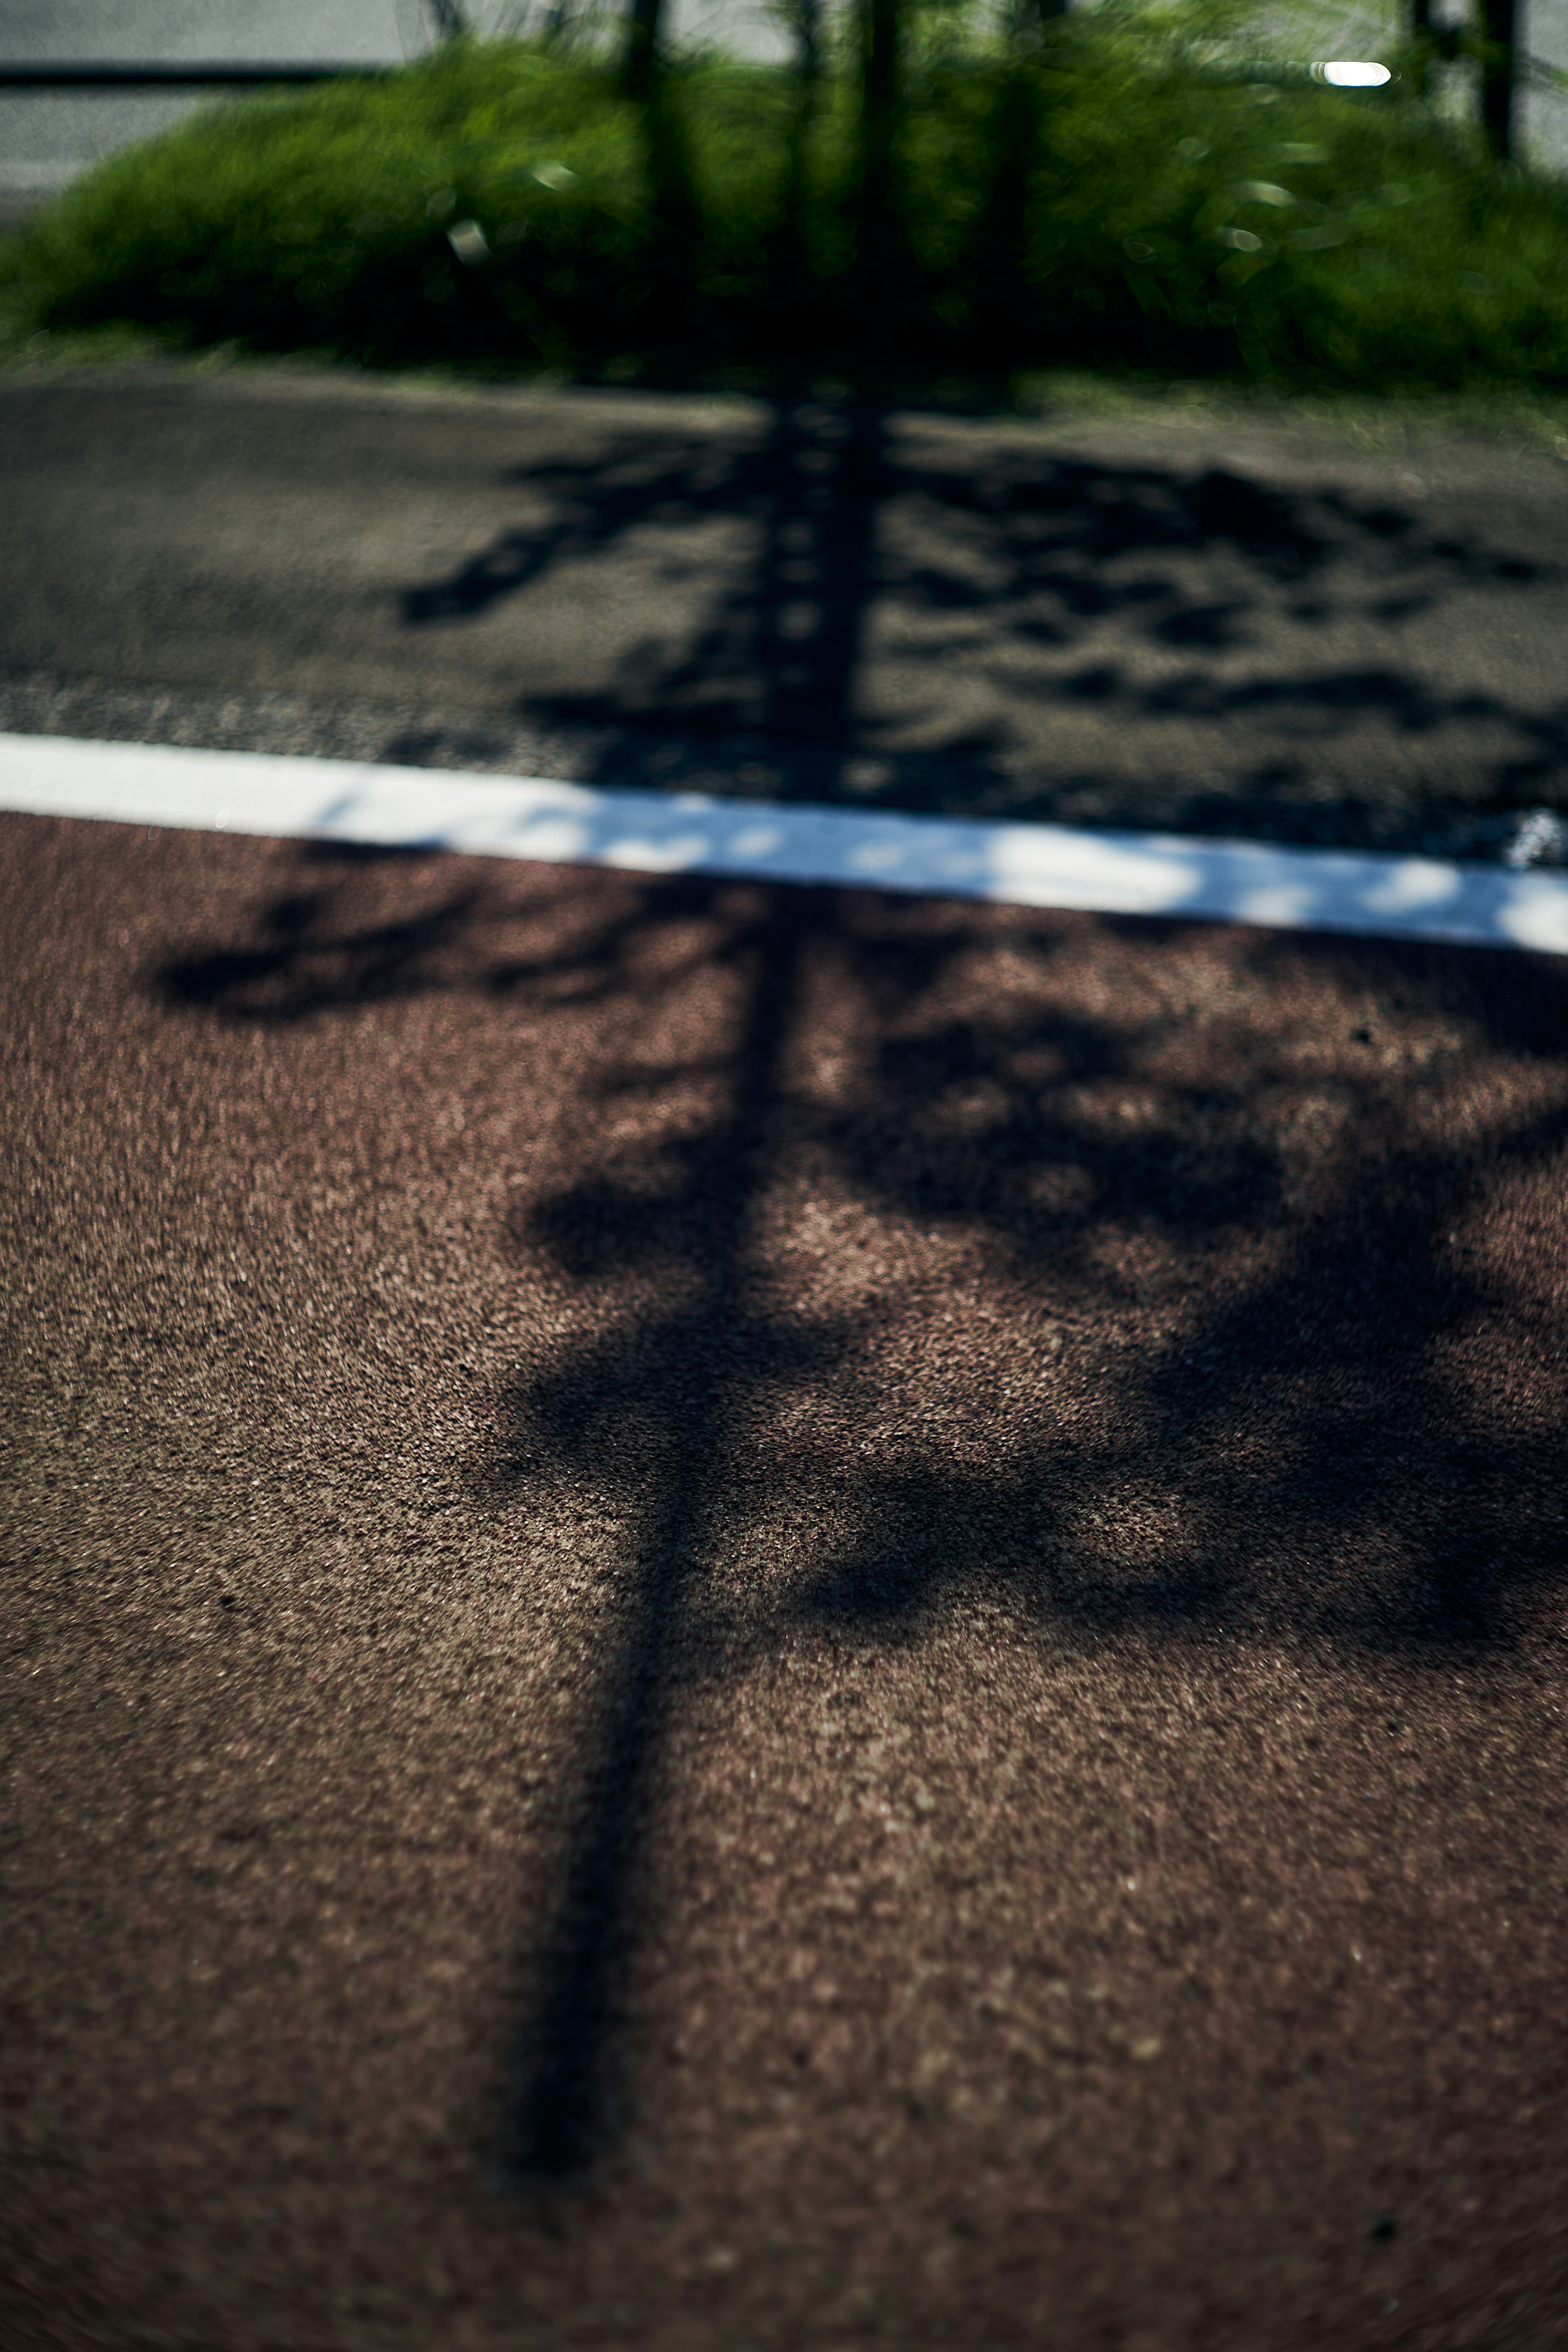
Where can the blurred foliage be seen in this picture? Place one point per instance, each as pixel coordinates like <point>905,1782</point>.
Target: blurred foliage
<point>1126,187</point>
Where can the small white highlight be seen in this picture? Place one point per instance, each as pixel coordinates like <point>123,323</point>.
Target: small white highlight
<point>1279,907</point>
<point>686,853</point>
<point>1352,73</point>
<point>1413,882</point>
<point>1536,915</point>
<point>467,239</point>
<point>540,818</point>
<point>555,840</point>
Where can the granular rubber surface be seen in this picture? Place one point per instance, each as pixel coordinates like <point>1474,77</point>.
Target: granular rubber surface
<point>745,1618</point>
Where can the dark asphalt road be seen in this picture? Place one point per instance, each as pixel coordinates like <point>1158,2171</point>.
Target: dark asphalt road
<point>1209,625</point>
<point>772,1618</point>
<point>766,1618</point>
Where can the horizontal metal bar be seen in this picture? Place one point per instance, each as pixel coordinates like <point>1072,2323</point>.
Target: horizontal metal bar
<point>173,77</point>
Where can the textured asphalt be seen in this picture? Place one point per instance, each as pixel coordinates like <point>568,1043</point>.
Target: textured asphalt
<point>747,1618</point>
<point>1179,619</point>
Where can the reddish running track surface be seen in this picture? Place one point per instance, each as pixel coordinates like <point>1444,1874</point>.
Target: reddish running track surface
<point>746,1617</point>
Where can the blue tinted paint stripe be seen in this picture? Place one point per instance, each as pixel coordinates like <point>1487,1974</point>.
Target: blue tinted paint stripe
<point>651,832</point>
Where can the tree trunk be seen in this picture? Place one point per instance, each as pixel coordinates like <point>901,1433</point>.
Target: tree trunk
<point>1423,45</point>
<point>1499,26</point>
<point>641,63</point>
<point>791,267</point>
<point>878,107</point>
<point>806,16</point>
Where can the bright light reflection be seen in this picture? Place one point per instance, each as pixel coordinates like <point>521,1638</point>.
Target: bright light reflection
<point>1353,73</point>
<point>641,856</point>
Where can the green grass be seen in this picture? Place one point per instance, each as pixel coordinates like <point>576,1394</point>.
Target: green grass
<point>1108,206</point>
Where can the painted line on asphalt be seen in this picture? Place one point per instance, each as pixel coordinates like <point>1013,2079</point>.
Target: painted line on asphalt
<point>688,833</point>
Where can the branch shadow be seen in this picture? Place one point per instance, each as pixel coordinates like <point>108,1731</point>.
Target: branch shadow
<point>1326,1478</point>
<point>1235,1405</point>
<point>306,960</point>
<point>1244,1416</point>
<point>1049,580</point>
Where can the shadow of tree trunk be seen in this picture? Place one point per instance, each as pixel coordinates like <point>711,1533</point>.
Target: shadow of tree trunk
<point>686,1379</point>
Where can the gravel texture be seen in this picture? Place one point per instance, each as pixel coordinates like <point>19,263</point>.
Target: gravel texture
<point>1196,622</point>
<point>747,1618</point>
<point>293,726</point>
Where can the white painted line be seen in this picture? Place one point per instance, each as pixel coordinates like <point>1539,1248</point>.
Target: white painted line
<point>688,833</point>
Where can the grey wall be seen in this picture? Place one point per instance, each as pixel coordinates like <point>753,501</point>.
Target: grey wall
<point>45,139</point>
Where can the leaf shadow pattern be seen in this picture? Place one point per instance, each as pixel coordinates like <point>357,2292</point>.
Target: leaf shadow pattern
<point>1061,586</point>
<point>306,962</point>
<point>1296,1424</point>
<point>1141,1311</point>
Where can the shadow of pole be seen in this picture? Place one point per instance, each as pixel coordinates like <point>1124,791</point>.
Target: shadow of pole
<point>1249,1367</point>
<point>815,579</point>
<point>804,621</point>
<point>1055,635</point>
<point>1288,1451</point>
<point>562,2114</point>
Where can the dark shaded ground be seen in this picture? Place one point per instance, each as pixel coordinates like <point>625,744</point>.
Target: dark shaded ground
<point>748,1618</point>
<point>1216,625</point>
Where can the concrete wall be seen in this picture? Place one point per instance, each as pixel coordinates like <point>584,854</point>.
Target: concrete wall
<point>46,139</point>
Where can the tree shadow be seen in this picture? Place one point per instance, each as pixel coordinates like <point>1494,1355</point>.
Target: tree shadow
<point>1285,1450</point>
<point>1235,1272</point>
<point>876,565</point>
<point>1288,1451</point>
<point>305,960</point>
<point>1254,1387</point>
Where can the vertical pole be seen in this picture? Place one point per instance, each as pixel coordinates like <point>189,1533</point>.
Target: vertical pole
<point>1499,27</point>
<point>807,15</point>
<point>792,270</point>
<point>641,60</point>
<point>449,19</point>
<point>878,105</point>
<point>1421,43</point>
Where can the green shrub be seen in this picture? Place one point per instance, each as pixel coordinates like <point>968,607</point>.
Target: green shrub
<point>322,219</point>
<point>1109,199</point>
